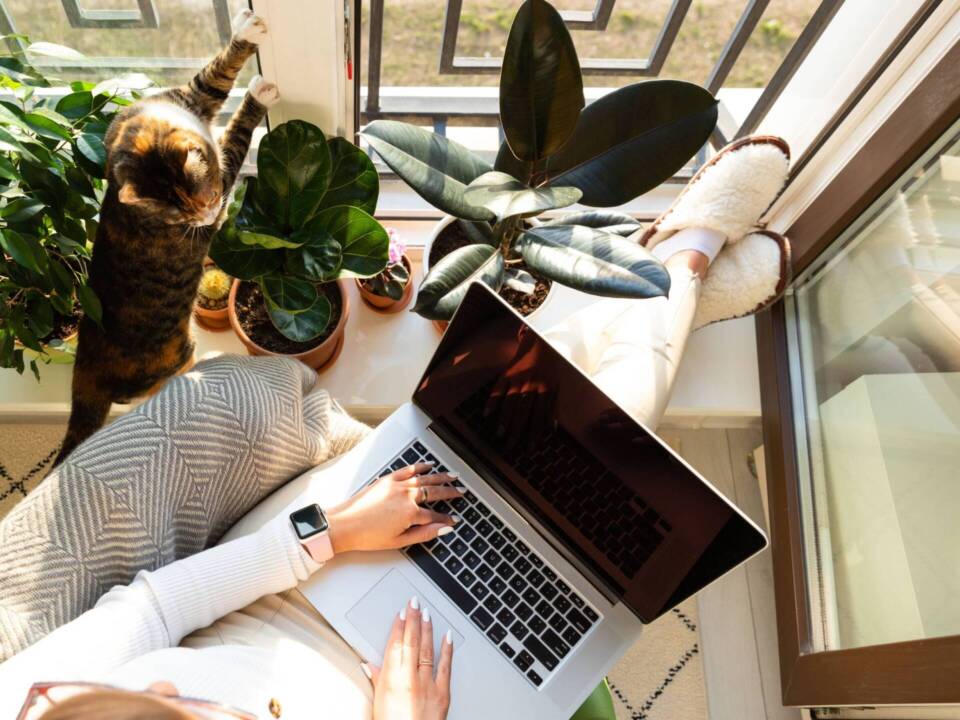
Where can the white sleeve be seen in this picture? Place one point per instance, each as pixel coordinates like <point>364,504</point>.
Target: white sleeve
<point>159,608</point>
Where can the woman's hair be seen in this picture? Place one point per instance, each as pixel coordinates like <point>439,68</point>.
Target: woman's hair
<point>116,705</point>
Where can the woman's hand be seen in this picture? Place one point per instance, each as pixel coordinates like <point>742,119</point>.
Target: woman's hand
<point>405,688</point>
<point>388,514</point>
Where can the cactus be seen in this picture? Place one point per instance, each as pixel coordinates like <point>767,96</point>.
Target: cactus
<point>214,285</point>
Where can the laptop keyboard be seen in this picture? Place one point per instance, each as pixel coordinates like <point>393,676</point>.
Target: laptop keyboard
<point>511,594</point>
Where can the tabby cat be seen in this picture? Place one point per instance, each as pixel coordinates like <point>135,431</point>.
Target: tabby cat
<point>167,186</point>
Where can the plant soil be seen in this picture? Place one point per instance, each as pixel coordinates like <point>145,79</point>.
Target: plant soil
<point>255,320</point>
<point>453,237</point>
<point>211,304</point>
<point>63,327</point>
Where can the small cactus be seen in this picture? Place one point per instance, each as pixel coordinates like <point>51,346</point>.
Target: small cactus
<point>214,284</point>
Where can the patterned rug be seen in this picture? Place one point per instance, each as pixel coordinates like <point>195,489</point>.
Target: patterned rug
<point>660,678</point>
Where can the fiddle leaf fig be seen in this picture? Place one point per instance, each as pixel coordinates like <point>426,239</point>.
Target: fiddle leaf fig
<point>303,325</point>
<point>293,166</point>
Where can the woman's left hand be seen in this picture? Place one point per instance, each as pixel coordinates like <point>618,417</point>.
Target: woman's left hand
<point>388,513</point>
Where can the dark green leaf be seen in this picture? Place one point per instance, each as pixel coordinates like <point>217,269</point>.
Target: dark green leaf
<point>7,170</point>
<point>478,232</point>
<point>62,279</point>
<point>48,124</point>
<point>24,249</point>
<point>246,262</point>
<point>23,208</point>
<point>541,90</point>
<point>318,258</point>
<point>363,241</point>
<point>75,105</point>
<point>305,325</point>
<point>270,242</point>
<point>40,315</point>
<point>438,169</point>
<point>9,143</point>
<point>22,72</point>
<point>508,163</point>
<point>393,289</point>
<point>628,142</point>
<point>507,197</point>
<point>287,292</point>
<point>92,155</point>
<point>594,262</point>
<point>610,221</point>
<point>35,370</point>
<point>293,168</point>
<point>354,179</point>
<point>90,303</point>
<point>448,281</point>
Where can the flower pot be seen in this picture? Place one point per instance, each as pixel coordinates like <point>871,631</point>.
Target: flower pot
<point>61,354</point>
<point>213,320</point>
<point>441,325</point>
<point>319,357</point>
<point>384,304</point>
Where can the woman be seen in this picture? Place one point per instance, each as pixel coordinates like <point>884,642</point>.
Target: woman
<point>264,649</point>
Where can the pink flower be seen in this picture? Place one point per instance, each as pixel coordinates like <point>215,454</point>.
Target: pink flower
<point>397,247</point>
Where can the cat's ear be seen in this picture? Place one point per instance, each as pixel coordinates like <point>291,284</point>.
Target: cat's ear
<point>128,194</point>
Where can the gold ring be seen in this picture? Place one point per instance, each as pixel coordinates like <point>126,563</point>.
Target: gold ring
<point>428,663</point>
<point>423,495</point>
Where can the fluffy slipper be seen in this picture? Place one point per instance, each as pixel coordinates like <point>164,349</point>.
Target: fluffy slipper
<point>746,277</point>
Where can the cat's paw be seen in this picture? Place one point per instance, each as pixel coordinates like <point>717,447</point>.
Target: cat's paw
<point>249,27</point>
<point>265,93</point>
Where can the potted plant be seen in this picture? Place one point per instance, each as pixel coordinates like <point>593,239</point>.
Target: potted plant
<point>292,237</point>
<point>392,289</point>
<point>210,307</point>
<point>51,184</point>
<point>556,153</point>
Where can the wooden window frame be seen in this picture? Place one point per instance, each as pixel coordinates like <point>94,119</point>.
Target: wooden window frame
<point>904,673</point>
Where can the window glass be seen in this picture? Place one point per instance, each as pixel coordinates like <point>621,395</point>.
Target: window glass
<point>875,355</point>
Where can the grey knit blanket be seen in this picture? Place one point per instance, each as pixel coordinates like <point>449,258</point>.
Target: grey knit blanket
<point>164,481</point>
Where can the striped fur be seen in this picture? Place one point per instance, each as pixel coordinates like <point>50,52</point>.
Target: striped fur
<point>167,186</point>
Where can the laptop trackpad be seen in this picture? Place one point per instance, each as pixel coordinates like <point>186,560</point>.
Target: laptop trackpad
<point>373,615</point>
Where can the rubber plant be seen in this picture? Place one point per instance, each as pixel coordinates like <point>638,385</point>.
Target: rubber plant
<point>305,219</point>
<point>51,184</point>
<point>556,152</point>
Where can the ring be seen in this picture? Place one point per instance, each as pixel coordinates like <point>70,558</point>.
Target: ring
<point>422,495</point>
<point>428,663</point>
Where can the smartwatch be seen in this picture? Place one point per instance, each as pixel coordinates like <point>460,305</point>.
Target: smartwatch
<point>312,527</point>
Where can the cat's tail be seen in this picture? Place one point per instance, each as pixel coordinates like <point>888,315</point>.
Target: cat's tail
<point>87,414</point>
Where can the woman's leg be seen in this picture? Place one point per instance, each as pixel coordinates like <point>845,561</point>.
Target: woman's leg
<point>632,348</point>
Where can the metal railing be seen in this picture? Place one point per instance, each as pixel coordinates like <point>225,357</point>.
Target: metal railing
<point>482,108</point>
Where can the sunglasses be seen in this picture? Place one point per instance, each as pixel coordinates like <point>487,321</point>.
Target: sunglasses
<point>43,696</point>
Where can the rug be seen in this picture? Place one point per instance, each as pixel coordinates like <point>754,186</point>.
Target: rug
<point>660,678</point>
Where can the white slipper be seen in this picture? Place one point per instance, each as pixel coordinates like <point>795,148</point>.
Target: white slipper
<point>729,194</point>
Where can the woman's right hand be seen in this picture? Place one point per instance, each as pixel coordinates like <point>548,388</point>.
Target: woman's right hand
<point>405,687</point>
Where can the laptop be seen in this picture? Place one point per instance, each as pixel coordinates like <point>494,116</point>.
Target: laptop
<point>578,525</point>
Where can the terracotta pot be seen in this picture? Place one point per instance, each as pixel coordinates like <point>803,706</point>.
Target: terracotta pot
<point>441,325</point>
<point>384,304</point>
<point>213,320</point>
<point>319,357</point>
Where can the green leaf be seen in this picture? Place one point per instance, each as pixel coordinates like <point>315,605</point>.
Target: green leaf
<point>21,209</point>
<point>293,167</point>
<point>318,258</point>
<point>520,280</point>
<point>628,142</point>
<point>287,292</point>
<point>507,197</point>
<point>246,262</point>
<point>393,289</point>
<point>541,89</point>
<point>507,162</point>
<point>35,370</point>
<point>438,169</point>
<point>48,49</point>
<point>305,325</point>
<point>92,154</point>
<point>594,262</point>
<point>48,124</point>
<point>75,105</point>
<point>7,170</point>
<point>24,249</point>
<point>443,289</point>
<point>90,303</point>
<point>62,279</point>
<point>236,200</point>
<point>9,143</point>
<point>354,179</point>
<point>364,243</point>
<point>610,221</point>
<point>270,242</point>
<point>22,72</point>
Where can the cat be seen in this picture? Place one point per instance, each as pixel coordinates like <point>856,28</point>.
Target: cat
<point>167,187</point>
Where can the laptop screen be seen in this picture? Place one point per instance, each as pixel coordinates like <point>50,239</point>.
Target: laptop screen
<point>612,497</point>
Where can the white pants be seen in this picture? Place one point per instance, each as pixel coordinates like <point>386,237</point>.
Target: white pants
<point>631,349</point>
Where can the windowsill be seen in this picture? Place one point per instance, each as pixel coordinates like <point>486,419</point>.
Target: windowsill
<point>384,356</point>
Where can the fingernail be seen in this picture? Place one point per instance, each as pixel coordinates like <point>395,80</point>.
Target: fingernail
<point>455,518</point>
<point>426,615</point>
<point>445,530</point>
<point>366,671</point>
<point>403,613</point>
<point>415,602</point>
<point>462,490</point>
<point>448,638</point>
<point>454,475</point>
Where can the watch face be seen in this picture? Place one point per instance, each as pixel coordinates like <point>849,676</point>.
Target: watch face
<point>308,521</point>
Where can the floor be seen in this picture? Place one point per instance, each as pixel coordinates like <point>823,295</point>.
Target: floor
<point>737,618</point>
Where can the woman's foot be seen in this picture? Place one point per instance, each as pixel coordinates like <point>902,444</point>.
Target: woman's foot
<point>714,223</point>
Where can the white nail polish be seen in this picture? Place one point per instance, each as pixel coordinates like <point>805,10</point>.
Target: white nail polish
<point>426,615</point>
<point>454,474</point>
<point>403,613</point>
<point>455,519</point>
<point>445,530</point>
<point>415,602</point>
<point>448,638</point>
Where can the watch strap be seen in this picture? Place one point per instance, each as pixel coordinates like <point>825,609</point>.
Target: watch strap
<point>319,547</point>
